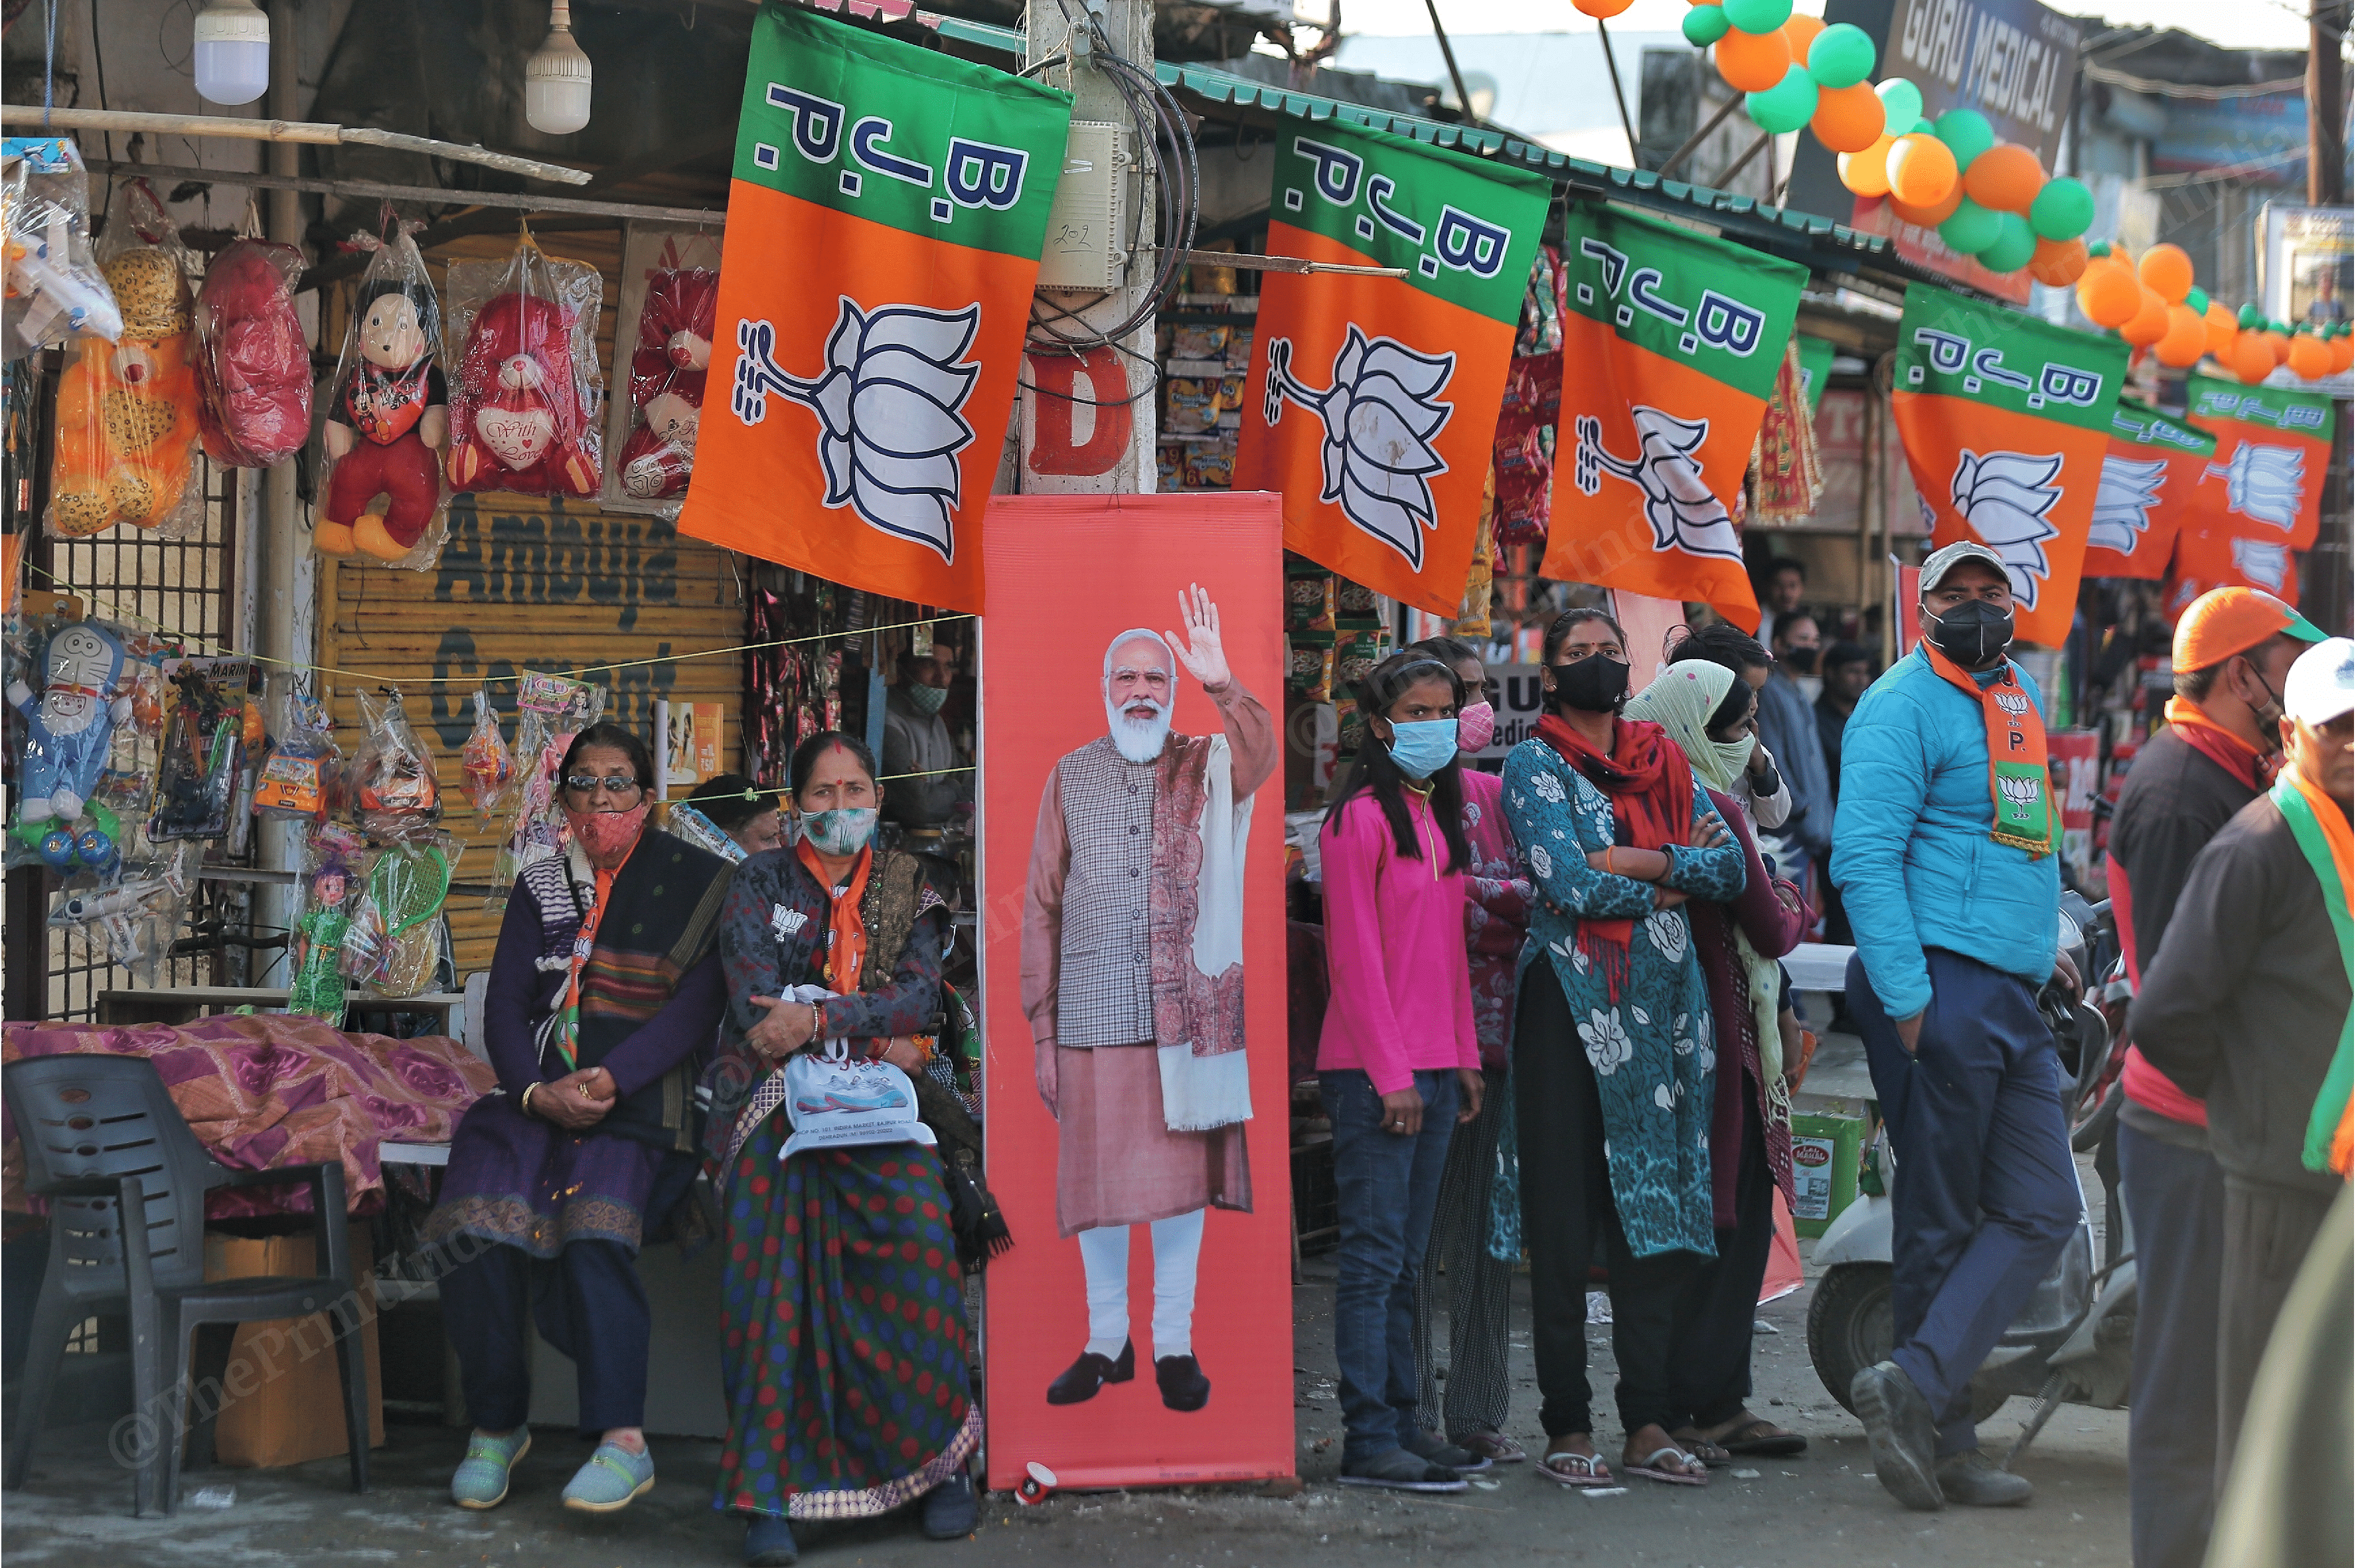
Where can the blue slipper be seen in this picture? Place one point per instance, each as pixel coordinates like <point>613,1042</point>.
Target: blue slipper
<point>481,1478</point>
<point>611,1479</point>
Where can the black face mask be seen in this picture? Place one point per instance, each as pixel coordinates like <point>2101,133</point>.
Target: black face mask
<point>1971,633</point>
<point>1801,660</point>
<point>1595,684</point>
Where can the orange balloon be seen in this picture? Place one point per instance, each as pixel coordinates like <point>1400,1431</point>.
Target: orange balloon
<point>2223,329</point>
<point>1753,62</point>
<point>2167,271</point>
<point>2250,359</point>
<point>1921,170</point>
<point>2150,323</point>
<point>1849,120</point>
<point>2343,353</point>
<point>1604,8</point>
<point>2006,179</point>
<point>2186,339</point>
<point>2280,346</point>
<point>1929,217</point>
<point>1866,173</point>
<point>2058,264</point>
<point>1798,32</point>
<point>2311,356</point>
<point>2108,294</point>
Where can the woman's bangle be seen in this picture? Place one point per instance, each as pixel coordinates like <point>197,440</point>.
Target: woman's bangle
<point>525,1105</point>
<point>817,1022</point>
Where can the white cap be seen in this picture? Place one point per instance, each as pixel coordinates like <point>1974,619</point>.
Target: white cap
<point>2321,686</point>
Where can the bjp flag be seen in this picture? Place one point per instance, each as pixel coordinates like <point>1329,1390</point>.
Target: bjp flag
<point>2274,450</point>
<point>1372,401</point>
<point>2151,487</point>
<point>1671,344</point>
<point>884,226</point>
<point>2005,420</point>
<point>2230,553</point>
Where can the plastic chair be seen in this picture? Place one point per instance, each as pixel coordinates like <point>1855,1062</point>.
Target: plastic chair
<point>103,1140</point>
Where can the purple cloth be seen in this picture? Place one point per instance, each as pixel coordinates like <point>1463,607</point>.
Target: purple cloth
<point>1774,931</point>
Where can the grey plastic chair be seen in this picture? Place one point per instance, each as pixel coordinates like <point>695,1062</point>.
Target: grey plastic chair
<point>103,1140</point>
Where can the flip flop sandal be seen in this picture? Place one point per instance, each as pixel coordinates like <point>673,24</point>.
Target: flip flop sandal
<point>1703,1449</point>
<point>1765,1440</point>
<point>1591,1472</point>
<point>1651,1471</point>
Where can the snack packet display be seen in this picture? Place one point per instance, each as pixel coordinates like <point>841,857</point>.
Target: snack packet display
<point>489,766</point>
<point>394,795</point>
<point>294,780</point>
<point>54,287</point>
<point>387,420</point>
<point>126,447</point>
<point>525,387</point>
<point>204,743</point>
<point>395,936</point>
<point>253,364</point>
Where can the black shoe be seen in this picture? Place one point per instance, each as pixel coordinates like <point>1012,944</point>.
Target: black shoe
<point>1183,1386</point>
<point>1400,1471</point>
<point>1434,1449</point>
<point>1084,1377</point>
<point>1972,1479</point>
<point>1899,1428</point>
<point>769,1541</point>
<point>950,1509</point>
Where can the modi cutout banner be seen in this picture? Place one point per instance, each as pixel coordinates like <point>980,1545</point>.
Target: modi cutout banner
<point>1671,345</point>
<point>884,224</point>
<point>2274,450</point>
<point>2150,488</point>
<point>1372,401</point>
<point>2006,420</point>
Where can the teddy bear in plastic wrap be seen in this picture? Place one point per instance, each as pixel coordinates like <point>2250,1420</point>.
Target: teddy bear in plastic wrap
<point>127,412</point>
<point>517,420</point>
<point>70,724</point>
<point>383,427</point>
<point>666,376</point>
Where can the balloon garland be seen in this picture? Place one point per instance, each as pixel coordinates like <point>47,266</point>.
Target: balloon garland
<point>2154,304</point>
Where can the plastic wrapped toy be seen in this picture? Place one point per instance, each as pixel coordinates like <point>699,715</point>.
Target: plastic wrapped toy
<point>203,740</point>
<point>140,912</point>
<point>395,936</point>
<point>126,448</point>
<point>489,766</point>
<point>388,420</point>
<point>69,723</point>
<point>526,387</point>
<point>295,779</point>
<point>53,285</point>
<point>666,376</point>
<point>394,795</point>
<point>550,710</point>
<point>318,988</point>
<point>253,362</point>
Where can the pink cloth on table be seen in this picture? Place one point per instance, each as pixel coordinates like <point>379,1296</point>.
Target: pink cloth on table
<point>261,1091</point>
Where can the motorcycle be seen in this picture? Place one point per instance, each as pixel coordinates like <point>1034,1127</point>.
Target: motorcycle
<point>2072,1343</point>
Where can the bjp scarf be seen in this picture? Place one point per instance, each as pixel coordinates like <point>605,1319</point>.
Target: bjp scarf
<point>1651,787</point>
<point>2323,838</point>
<point>2218,744</point>
<point>846,933</point>
<point>2019,788</point>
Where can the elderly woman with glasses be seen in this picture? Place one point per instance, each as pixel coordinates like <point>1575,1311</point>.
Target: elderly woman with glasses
<point>605,990</point>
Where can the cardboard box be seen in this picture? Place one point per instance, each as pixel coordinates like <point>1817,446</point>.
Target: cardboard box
<point>282,1398</point>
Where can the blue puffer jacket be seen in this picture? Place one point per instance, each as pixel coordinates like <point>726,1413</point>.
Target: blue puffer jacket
<point>1910,848</point>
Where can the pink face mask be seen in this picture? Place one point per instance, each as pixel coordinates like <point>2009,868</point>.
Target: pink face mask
<point>607,837</point>
<point>1475,726</point>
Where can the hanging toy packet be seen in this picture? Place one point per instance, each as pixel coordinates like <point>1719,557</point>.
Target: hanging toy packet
<point>333,865</point>
<point>140,910</point>
<point>388,419</point>
<point>488,764</point>
<point>526,388</point>
<point>550,710</point>
<point>204,743</point>
<point>253,363</point>
<point>70,683</point>
<point>395,941</point>
<point>126,447</point>
<point>394,793</point>
<point>295,777</point>
<point>54,289</point>
<point>662,353</point>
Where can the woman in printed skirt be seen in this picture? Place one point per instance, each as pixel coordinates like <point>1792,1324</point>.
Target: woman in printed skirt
<point>1615,1053</point>
<point>844,1348</point>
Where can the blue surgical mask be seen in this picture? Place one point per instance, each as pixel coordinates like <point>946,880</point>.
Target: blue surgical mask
<point>1422,747</point>
<point>845,831</point>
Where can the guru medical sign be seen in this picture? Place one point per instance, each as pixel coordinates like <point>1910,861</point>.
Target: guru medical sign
<point>2013,60</point>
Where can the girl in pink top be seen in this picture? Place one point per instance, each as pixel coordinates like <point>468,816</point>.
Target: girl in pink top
<point>1398,1064</point>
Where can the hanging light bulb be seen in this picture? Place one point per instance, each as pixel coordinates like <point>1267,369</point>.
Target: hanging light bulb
<point>232,52</point>
<point>556,78</point>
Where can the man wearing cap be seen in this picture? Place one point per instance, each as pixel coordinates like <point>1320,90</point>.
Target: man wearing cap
<point>2246,1005</point>
<point>1943,851</point>
<point>2234,649</point>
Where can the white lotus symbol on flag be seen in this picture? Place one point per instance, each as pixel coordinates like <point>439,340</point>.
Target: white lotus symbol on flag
<point>2266,565</point>
<point>889,408</point>
<point>1381,415</point>
<point>1678,501</point>
<point>2004,497</point>
<point>2123,503</point>
<point>2263,482</point>
<point>2018,793</point>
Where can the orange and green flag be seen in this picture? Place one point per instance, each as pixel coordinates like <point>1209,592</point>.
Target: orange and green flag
<point>1671,344</point>
<point>2274,452</point>
<point>884,226</point>
<point>2151,490</point>
<point>1372,401</point>
<point>2005,420</point>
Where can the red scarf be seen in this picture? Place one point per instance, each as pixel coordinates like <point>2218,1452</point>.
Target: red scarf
<point>1650,788</point>
<point>2219,744</point>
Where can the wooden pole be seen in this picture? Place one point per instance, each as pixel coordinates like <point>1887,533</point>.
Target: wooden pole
<point>223,127</point>
<point>524,202</point>
<point>1619,93</point>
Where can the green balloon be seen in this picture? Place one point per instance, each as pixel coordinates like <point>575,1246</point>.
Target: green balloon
<point>2248,318</point>
<point>2062,209</point>
<point>1924,128</point>
<point>1901,103</point>
<point>1758,15</point>
<point>2281,327</point>
<point>2014,244</point>
<point>1787,105</point>
<point>1971,228</point>
<point>1842,56</point>
<point>2197,298</point>
<point>2099,248</point>
<point>1704,25</point>
<point>1967,132</point>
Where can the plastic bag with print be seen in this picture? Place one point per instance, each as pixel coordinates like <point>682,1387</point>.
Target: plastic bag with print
<point>254,362</point>
<point>394,793</point>
<point>387,419</point>
<point>525,388</point>
<point>834,1100</point>
<point>53,288</point>
<point>550,710</point>
<point>127,411</point>
<point>662,348</point>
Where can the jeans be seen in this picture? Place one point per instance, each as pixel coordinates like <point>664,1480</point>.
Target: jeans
<point>2175,1199</point>
<point>1387,1187</point>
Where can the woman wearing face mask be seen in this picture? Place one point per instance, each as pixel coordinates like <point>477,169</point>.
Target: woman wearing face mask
<point>1614,1052</point>
<point>1707,711</point>
<point>1398,1065</point>
<point>834,1250</point>
<point>1479,1284</point>
<point>604,988</point>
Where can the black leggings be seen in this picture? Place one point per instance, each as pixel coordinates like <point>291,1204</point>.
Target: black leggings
<point>1712,1361</point>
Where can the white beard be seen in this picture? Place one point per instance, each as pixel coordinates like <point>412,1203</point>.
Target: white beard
<point>1138,740</point>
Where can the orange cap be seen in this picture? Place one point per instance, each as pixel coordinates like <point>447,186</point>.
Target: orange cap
<point>2226,621</point>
